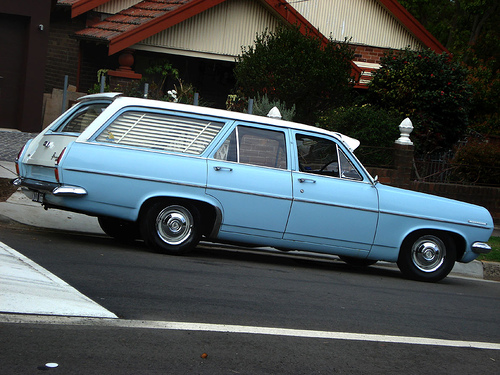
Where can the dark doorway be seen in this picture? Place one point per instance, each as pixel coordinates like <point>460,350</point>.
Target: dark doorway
<point>13,42</point>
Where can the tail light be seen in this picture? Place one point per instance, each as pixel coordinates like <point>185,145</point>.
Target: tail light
<point>56,170</point>
<point>18,158</point>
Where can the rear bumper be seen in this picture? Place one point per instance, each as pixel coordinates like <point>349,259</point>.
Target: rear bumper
<point>50,187</point>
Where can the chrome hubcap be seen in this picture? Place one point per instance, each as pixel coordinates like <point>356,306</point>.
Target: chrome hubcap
<point>174,225</point>
<point>428,253</point>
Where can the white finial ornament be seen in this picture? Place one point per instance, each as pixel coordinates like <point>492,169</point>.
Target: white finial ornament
<point>274,113</point>
<point>406,127</point>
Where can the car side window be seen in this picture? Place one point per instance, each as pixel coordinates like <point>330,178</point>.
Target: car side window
<point>322,156</point>
<point>254,146</point>
<point>161,131</point>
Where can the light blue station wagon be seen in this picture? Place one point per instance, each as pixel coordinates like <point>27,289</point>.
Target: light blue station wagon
<point>174,174</point>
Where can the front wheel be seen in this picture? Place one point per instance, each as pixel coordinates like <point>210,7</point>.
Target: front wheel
<point>427,257</point>
<point>171,228</point>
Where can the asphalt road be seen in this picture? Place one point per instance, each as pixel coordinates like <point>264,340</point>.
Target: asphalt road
<point>296,316</point>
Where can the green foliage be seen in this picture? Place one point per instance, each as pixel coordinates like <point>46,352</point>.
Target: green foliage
<point>494,255</point>
<point>477,163</point>
<point>298,69</point>
<point>470,29</point>
<point>429,88</point>
<point>375,128</point>
<point>485,82</point>
<point>262,105</point>
<point>164,84</point>
<point>97,86</point>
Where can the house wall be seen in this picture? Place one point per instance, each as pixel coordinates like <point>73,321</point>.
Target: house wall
<point>25,25</point>
<point>217,33</point>
<point>364,22</point>
<point>63,51</point>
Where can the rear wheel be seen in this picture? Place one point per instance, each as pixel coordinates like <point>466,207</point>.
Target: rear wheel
<point>427,257</point>
<point>171,228</point>
<point>120,230</point>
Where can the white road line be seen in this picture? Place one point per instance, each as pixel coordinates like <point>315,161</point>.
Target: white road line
<point>223,328</point>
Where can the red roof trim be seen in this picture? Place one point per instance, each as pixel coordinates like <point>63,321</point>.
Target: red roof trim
<point>81,6</point>
<point>290,15</point>
<point>160,23</point>
<point>415,27</point>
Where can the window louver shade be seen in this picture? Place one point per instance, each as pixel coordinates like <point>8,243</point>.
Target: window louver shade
<point>161,132</point>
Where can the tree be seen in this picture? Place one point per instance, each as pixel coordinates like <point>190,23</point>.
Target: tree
<point>470,30</point>
<point>465,27</point>
<point>298,70</point>
<point>431,89</point>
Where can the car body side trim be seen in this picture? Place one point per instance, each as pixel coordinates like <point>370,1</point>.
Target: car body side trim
<point>468,224</point>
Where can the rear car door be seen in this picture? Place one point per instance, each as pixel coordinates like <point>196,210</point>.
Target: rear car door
<point>249,174</point>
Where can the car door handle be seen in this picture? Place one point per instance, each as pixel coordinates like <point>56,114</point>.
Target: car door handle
<point>302,180</point>
<point>223,169</point>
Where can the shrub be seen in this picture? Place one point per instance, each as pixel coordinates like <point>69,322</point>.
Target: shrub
<point>296,69</point>
<point>429,88</point>
<point>374,127</point>
<point>477,163</point>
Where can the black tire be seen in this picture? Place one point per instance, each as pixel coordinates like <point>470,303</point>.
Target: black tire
<point>171,228</point>
<point>121,230</point>
<point>427,257</point>
<point>357,262</point>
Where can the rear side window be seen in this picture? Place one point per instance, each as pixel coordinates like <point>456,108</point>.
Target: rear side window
<point>161,132</point>
<point>82,118</point>
<point>255,146</point>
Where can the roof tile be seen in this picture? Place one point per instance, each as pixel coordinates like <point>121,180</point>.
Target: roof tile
<point>129,19</point>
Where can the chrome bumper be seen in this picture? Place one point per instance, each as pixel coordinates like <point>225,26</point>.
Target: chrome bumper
<point>481,248</point>
<point>50,187</point>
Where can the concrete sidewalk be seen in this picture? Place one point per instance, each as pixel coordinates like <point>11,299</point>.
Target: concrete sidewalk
<point>26,287</point>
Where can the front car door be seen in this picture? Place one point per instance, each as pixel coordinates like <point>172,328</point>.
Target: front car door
<point>335,204</point>
<point>249,174</point>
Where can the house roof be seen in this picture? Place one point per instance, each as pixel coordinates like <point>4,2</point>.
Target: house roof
<point>149,17</point>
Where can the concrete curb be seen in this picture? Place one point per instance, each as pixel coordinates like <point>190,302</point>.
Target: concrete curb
<point>28,288</point>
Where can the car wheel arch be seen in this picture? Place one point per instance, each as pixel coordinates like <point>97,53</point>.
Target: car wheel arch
<point>457,238</point>
<point>211,215</point>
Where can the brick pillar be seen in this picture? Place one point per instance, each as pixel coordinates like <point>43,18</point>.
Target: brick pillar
<point>121,78</point>
<point>403,155</point>
<point>403,163</point>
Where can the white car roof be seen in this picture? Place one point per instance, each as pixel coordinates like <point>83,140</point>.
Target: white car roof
<point>124,101</point>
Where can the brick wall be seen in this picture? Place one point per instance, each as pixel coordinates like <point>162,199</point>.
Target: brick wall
<point>368,54</point>
<point>485,196</point>
<point>63,51</point>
